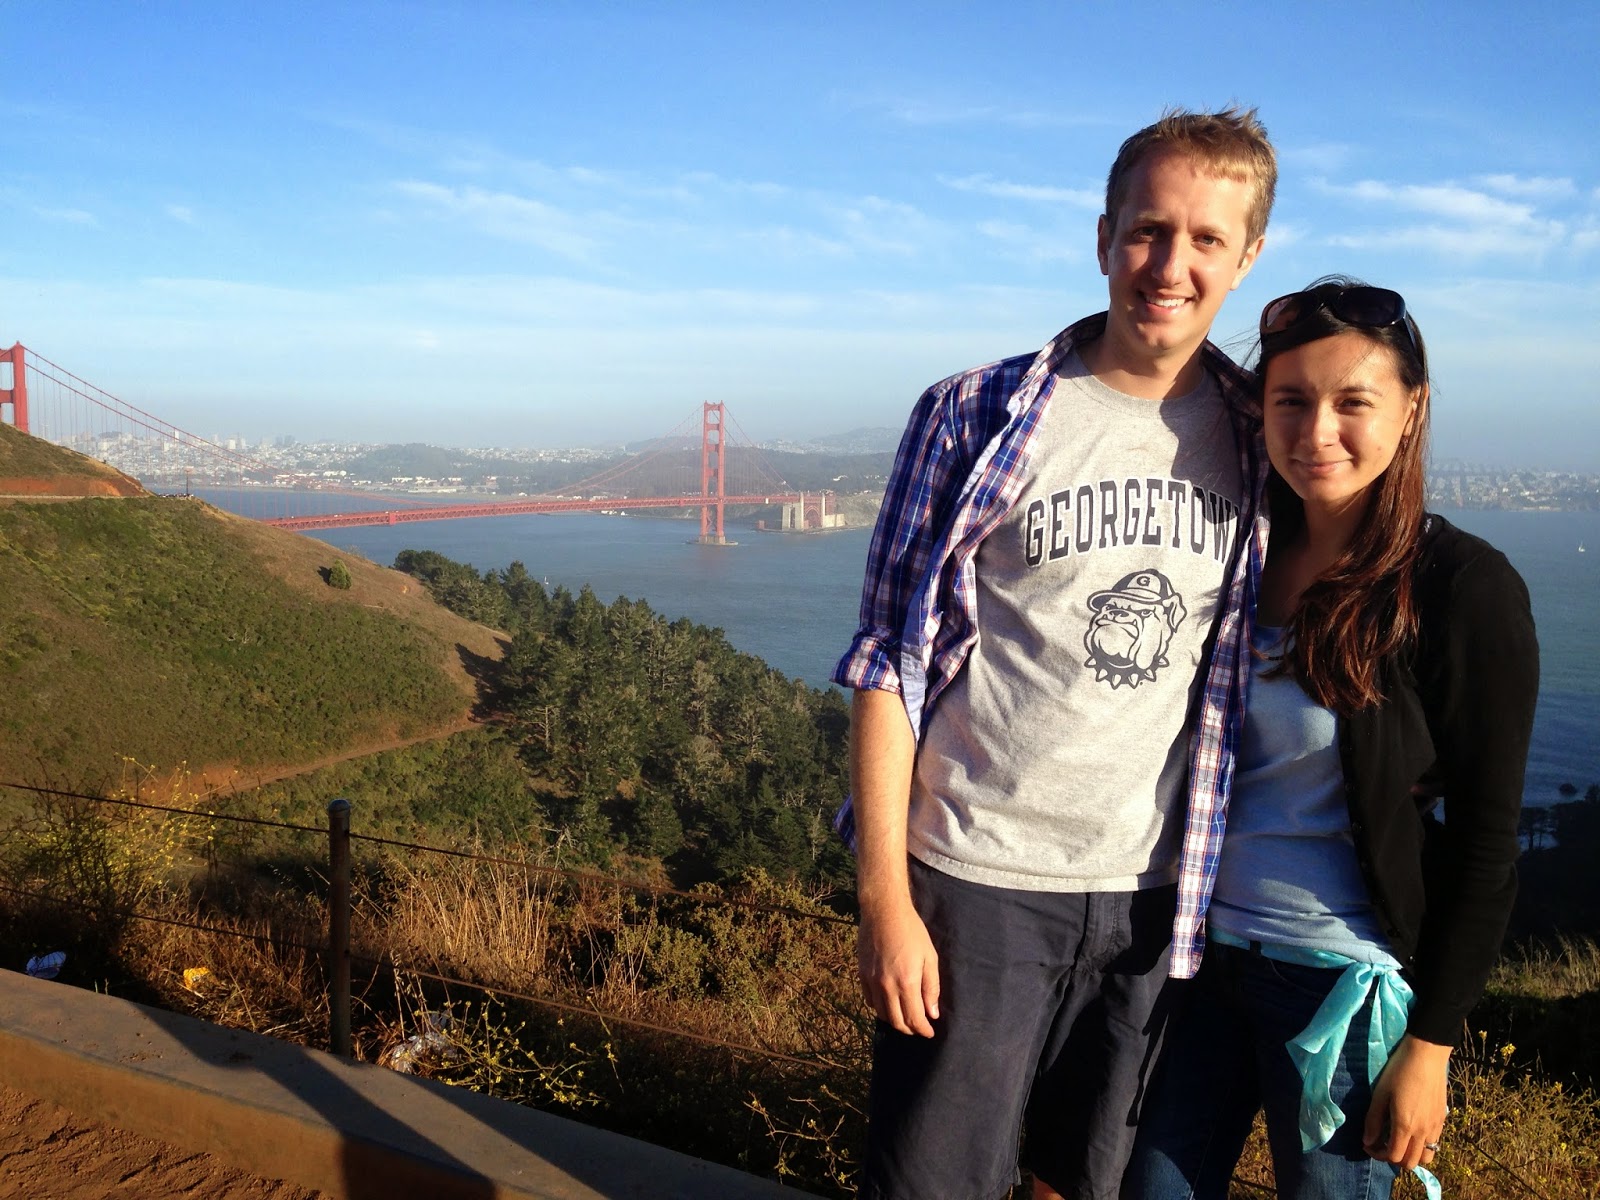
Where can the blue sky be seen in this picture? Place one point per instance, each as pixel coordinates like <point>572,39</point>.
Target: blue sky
<point>560,224</point>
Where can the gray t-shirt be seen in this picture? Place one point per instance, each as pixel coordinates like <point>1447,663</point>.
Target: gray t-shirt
<point>1056,758</point>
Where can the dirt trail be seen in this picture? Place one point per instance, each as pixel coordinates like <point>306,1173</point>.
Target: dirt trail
<point>48,1151</point>
<point>209,781</point>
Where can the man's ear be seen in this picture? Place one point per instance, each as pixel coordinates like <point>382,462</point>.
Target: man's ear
<point>1247,260</point>
<point>1102,245</point>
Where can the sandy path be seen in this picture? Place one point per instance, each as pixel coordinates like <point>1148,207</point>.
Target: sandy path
<point>209,781</point>
<point>50,1153</point>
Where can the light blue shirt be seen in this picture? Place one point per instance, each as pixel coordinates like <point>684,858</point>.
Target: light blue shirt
<point>1289,873</point>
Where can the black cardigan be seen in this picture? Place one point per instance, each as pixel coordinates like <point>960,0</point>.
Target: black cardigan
<point>1457,714</point>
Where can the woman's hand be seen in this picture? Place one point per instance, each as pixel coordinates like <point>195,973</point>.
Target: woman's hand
<point>1409,1103</point>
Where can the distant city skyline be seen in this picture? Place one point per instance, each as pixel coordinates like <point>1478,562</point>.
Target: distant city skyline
<point>865,440</point>
<point>565,224</point>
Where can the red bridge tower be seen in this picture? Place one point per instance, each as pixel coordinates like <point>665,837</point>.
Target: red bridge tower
<point>712,461</point>
<point>17,394</point>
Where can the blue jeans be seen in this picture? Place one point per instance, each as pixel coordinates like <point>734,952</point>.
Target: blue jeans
<point>1225,1059</point>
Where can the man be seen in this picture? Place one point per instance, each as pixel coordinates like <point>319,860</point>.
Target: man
<point>1060,535</point>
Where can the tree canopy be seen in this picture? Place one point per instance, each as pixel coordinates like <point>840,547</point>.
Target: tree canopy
<point>658,738</point>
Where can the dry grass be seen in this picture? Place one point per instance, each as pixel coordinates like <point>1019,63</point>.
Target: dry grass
<point>489,920</point>
<point>573,987</point>
<point>1560,970</point>
<point>778,980</point>
<point>1515,1133</point>
<point>730,972</point>
<point>244,976</point>
<point>551,950</point>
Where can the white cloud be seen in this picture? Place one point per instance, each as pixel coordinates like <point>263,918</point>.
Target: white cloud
<point>1463,221</point>
<point>711,181</point>
<point>1324,157</point>
<point>502,215</point>
<point>1091,201</point>
<point>1283,234</point>
<point>1533,187</point>
<point>724,222</point>
<point>623,222</point>
<point>67,216</point>
<point>920,112</point>
<point>181,213</point>
<point>1471,242</point>
<point>908,110</point>
<point>1028,244</point>
<point>1440,200</point>
<point>881,226</point>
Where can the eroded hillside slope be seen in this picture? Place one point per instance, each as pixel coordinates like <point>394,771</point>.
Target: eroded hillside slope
<point>163,630</point>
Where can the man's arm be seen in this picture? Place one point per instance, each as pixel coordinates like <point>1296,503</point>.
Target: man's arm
<point>895,957</point>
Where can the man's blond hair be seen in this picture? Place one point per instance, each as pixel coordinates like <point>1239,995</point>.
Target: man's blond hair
<point>1231,144</point>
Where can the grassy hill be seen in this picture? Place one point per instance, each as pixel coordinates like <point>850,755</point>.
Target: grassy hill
<point>161,629</point>
<point>30,467</point>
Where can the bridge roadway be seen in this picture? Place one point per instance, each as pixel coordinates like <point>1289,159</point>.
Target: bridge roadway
<point>512,508</point>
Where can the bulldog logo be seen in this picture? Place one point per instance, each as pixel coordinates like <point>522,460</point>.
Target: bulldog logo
<point>1132,627</point>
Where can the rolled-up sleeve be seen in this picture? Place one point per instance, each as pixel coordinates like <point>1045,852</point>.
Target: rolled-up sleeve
<point>927,473</point>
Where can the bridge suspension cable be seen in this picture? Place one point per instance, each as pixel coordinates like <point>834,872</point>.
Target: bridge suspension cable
<point>695,465</point>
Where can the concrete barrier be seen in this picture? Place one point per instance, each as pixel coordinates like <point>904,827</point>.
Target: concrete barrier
<point>281,1111</point>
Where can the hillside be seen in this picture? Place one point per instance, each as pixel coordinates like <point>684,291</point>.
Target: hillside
<point>30,467</point>
<point>163,630</point>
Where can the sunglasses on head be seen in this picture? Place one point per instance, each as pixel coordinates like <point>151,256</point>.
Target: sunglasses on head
<point>1358,304</point>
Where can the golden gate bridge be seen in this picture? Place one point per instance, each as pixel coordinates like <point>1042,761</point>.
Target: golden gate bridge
<point>694,466</point>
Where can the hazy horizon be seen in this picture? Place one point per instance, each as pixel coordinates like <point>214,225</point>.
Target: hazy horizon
<point>390,221</point>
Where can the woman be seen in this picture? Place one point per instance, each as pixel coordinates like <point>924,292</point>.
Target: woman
<point>1351,929</point>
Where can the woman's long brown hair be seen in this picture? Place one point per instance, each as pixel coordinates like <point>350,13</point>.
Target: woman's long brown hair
<point>1359,614</point>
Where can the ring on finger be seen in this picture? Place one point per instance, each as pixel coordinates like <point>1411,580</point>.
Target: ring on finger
<point>1433,1146</point>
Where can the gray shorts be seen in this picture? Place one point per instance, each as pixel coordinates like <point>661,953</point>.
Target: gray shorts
<point>1051,1007</point>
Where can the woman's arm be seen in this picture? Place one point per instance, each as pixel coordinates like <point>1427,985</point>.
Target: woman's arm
<point>1478,686</point>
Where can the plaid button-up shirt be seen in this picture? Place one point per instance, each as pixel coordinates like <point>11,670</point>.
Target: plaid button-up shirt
<point>959,470</point>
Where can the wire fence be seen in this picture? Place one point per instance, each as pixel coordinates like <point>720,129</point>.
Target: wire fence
<point>336,951</point>
<point>337,955</point>
<point>641,888</point>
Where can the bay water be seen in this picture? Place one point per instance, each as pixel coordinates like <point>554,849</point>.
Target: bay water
<point>793,599</point>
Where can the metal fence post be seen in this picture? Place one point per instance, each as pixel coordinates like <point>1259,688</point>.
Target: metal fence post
<point>339,927</point>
